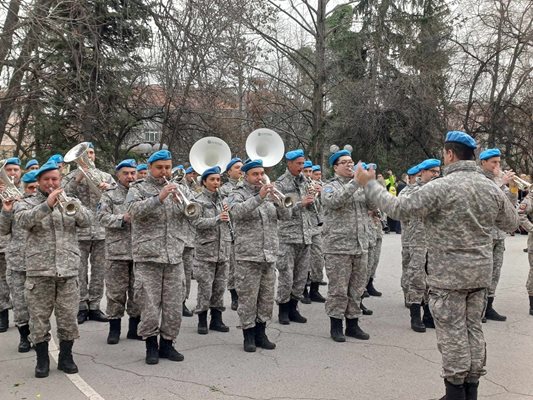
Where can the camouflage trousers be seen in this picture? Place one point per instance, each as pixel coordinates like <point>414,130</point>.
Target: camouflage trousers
<point>529,284</point>
<point>16,281</point>
<point>45,294</point>
<point>254,283</point>
<point>212,278</point>
<point>91,292</point>
<point>317,259</point>
<point>159,292</point>
<point>416,276</point>
<point>119,283</point>
<point>406,257</point>
<point>457,315</point>
<point>374,253</point>
<point>292,266</point>
<point>347,281</point>
<point>498,247</point>
<point>188,262</point>
<point>231,271</point>
<point>5,302</point>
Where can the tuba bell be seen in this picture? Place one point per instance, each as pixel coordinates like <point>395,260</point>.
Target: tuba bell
<point>10,192</point>
<point>265,145</point>
<point>209,152</point>
<point>78,154</point>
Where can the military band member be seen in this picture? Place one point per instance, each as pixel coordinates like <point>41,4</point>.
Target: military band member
<point>211,253</point>
<point>142,171</point>
<point>256,250</point>
<point>295,241</point>
<point>316,173</point>
<point>92,243</point>
<point>373,258</point>
<point>189,234</point>
<point>345,247</point>
<point>526,210</point>
<point>31,165</point>
<point>58,159</point>
<point>191,180</point>
<point>113,215</point>
<point>459,211</point>
<point>233,169</point>
<point>52,260</point>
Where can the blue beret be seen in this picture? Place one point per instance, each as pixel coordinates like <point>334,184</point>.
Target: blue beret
<point>13,160</point>
<point>489,153</point>
<point>30,177</point>
<point>373,166</point>
<point>232,162</point>
<point>142,167</point>
<point>428,164</point>
<point>210,171</point>
<point>31,163</point>
<point>57,158</point>
<point>335,156</point>
<point>294,154</point>
<point>316,168</point>
<point>179,166</point>
<point>160,155</point>
<point>251,164</point>
<point>130,163</point>
<point>189,170</point>
<point>308,164</point>
<point>91,145</point>
<point>47,166</point>
<point>414,170</point>
<point>462,138</point>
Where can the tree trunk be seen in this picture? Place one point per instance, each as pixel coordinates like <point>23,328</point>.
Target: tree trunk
<point>10,24</point>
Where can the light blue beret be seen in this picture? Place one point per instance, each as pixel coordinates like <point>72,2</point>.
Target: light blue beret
<point>462,138</point>
<point>335,156</point>
<point>30,177</point>
<point>13,160</point>
<point>210,171</point>
<point>130,163</point>
<point>316,168</point>
<point>160,155</point>
<point>308,164</point>
<point>489,153</point>
<point>413,170</point>
<point>251,164</point>
<point>232,162</point>
<point>57,158</point>
<point>31,163</point>
<point>179,167</point>
<point>142,167</point>
<point>189,170</point>
<point>47,166</point>
<point>91,145</point>
<point>294,154</point>
<point>429,163</point>
<point>373,166</point>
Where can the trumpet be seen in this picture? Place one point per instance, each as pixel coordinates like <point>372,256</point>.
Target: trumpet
<point>286,201</point>
<point>310,188</point>
<point>521,183</point>
<point>189,208</point>
<point>67,205</point>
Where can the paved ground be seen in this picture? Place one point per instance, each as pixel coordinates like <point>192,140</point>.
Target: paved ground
<point>395,363</point>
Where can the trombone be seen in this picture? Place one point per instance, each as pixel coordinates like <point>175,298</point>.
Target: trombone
<point>286,201</point>
<point>189,208</point>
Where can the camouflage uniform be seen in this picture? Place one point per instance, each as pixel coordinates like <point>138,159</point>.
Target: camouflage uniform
<point>211,253</point>
<point>5,301</point>
<point>91,242</point>
<point>119,276</point>
<point>52,259</point>
<point>294,242</point>
<point>225,191</point>
<point>459,211</point>
<point>189,233</point>
<point>346,237</point>
<point>526,209</point>
<point>256,250</point>
<point>373,259</point>
<point>157,248</point>
<point>406,244</point>
<point>317,256</point>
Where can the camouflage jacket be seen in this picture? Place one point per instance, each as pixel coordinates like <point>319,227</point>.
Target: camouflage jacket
<point>407,236</point>
<point>213,242</point>
<point>416,228</point>
<point>188,231</point>
<point>498,234</point>
<point>156,234</point>
<point>227,187</point>
<point>346,227</point>
<point>52,240</point>
<point>524,211</point>
<point>459,211</point>
<point>256,224</point>
<point>299,228</point>
<point>110,213</point>
<point>89,199</point>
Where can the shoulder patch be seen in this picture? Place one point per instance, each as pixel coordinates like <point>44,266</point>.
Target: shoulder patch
<point>328,189</point>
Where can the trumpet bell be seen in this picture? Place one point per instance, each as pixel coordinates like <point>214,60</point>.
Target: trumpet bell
<point>209,152</point>
<point>192,209</point>
<point>266,145</point>
<point>289,200</point>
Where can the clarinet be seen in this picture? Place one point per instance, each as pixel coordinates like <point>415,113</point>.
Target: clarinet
<point>230,222</point>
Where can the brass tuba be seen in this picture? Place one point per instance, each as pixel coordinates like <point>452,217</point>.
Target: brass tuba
<point>10,192</point>
<point>94,177</point>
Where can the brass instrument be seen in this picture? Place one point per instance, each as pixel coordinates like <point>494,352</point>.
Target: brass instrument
<point>286,201</point>
<point>10,192</point>
<point>66,205</point>
<point>521,183</point>
<point>189,208</point>
<point>309,188</point>
<point>94,177</point>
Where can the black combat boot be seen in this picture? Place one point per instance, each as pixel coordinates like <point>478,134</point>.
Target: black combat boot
<point>416,321</point>
<point>249,340</point>
<point>185,311</point>
<point>65,362</point>
<point>202,323</point>
<point>365,311</point>
<point>490,313</point>
<point>427,319</point>
<point>294,314</point>
<point>454,392</point>
<point>261,339</point>
<point>353,329</point>
<point>113,336</point>
<point>167,350</point>
<point>306,299</point>
<point>283,315</point>
<point>234,299</point>
<point>43,361</point>
<point>83,315</point>
<point>24,344</point>
<point>4,320</point>
<point>133,324</point>
<point>471,390</point>
<point>216,323</point>
<point>314,294</point>
<point>371,289</point>
<point>335,330</point>
<point>530,305</point>
<point>97,315</point>
<point>152,350</point>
